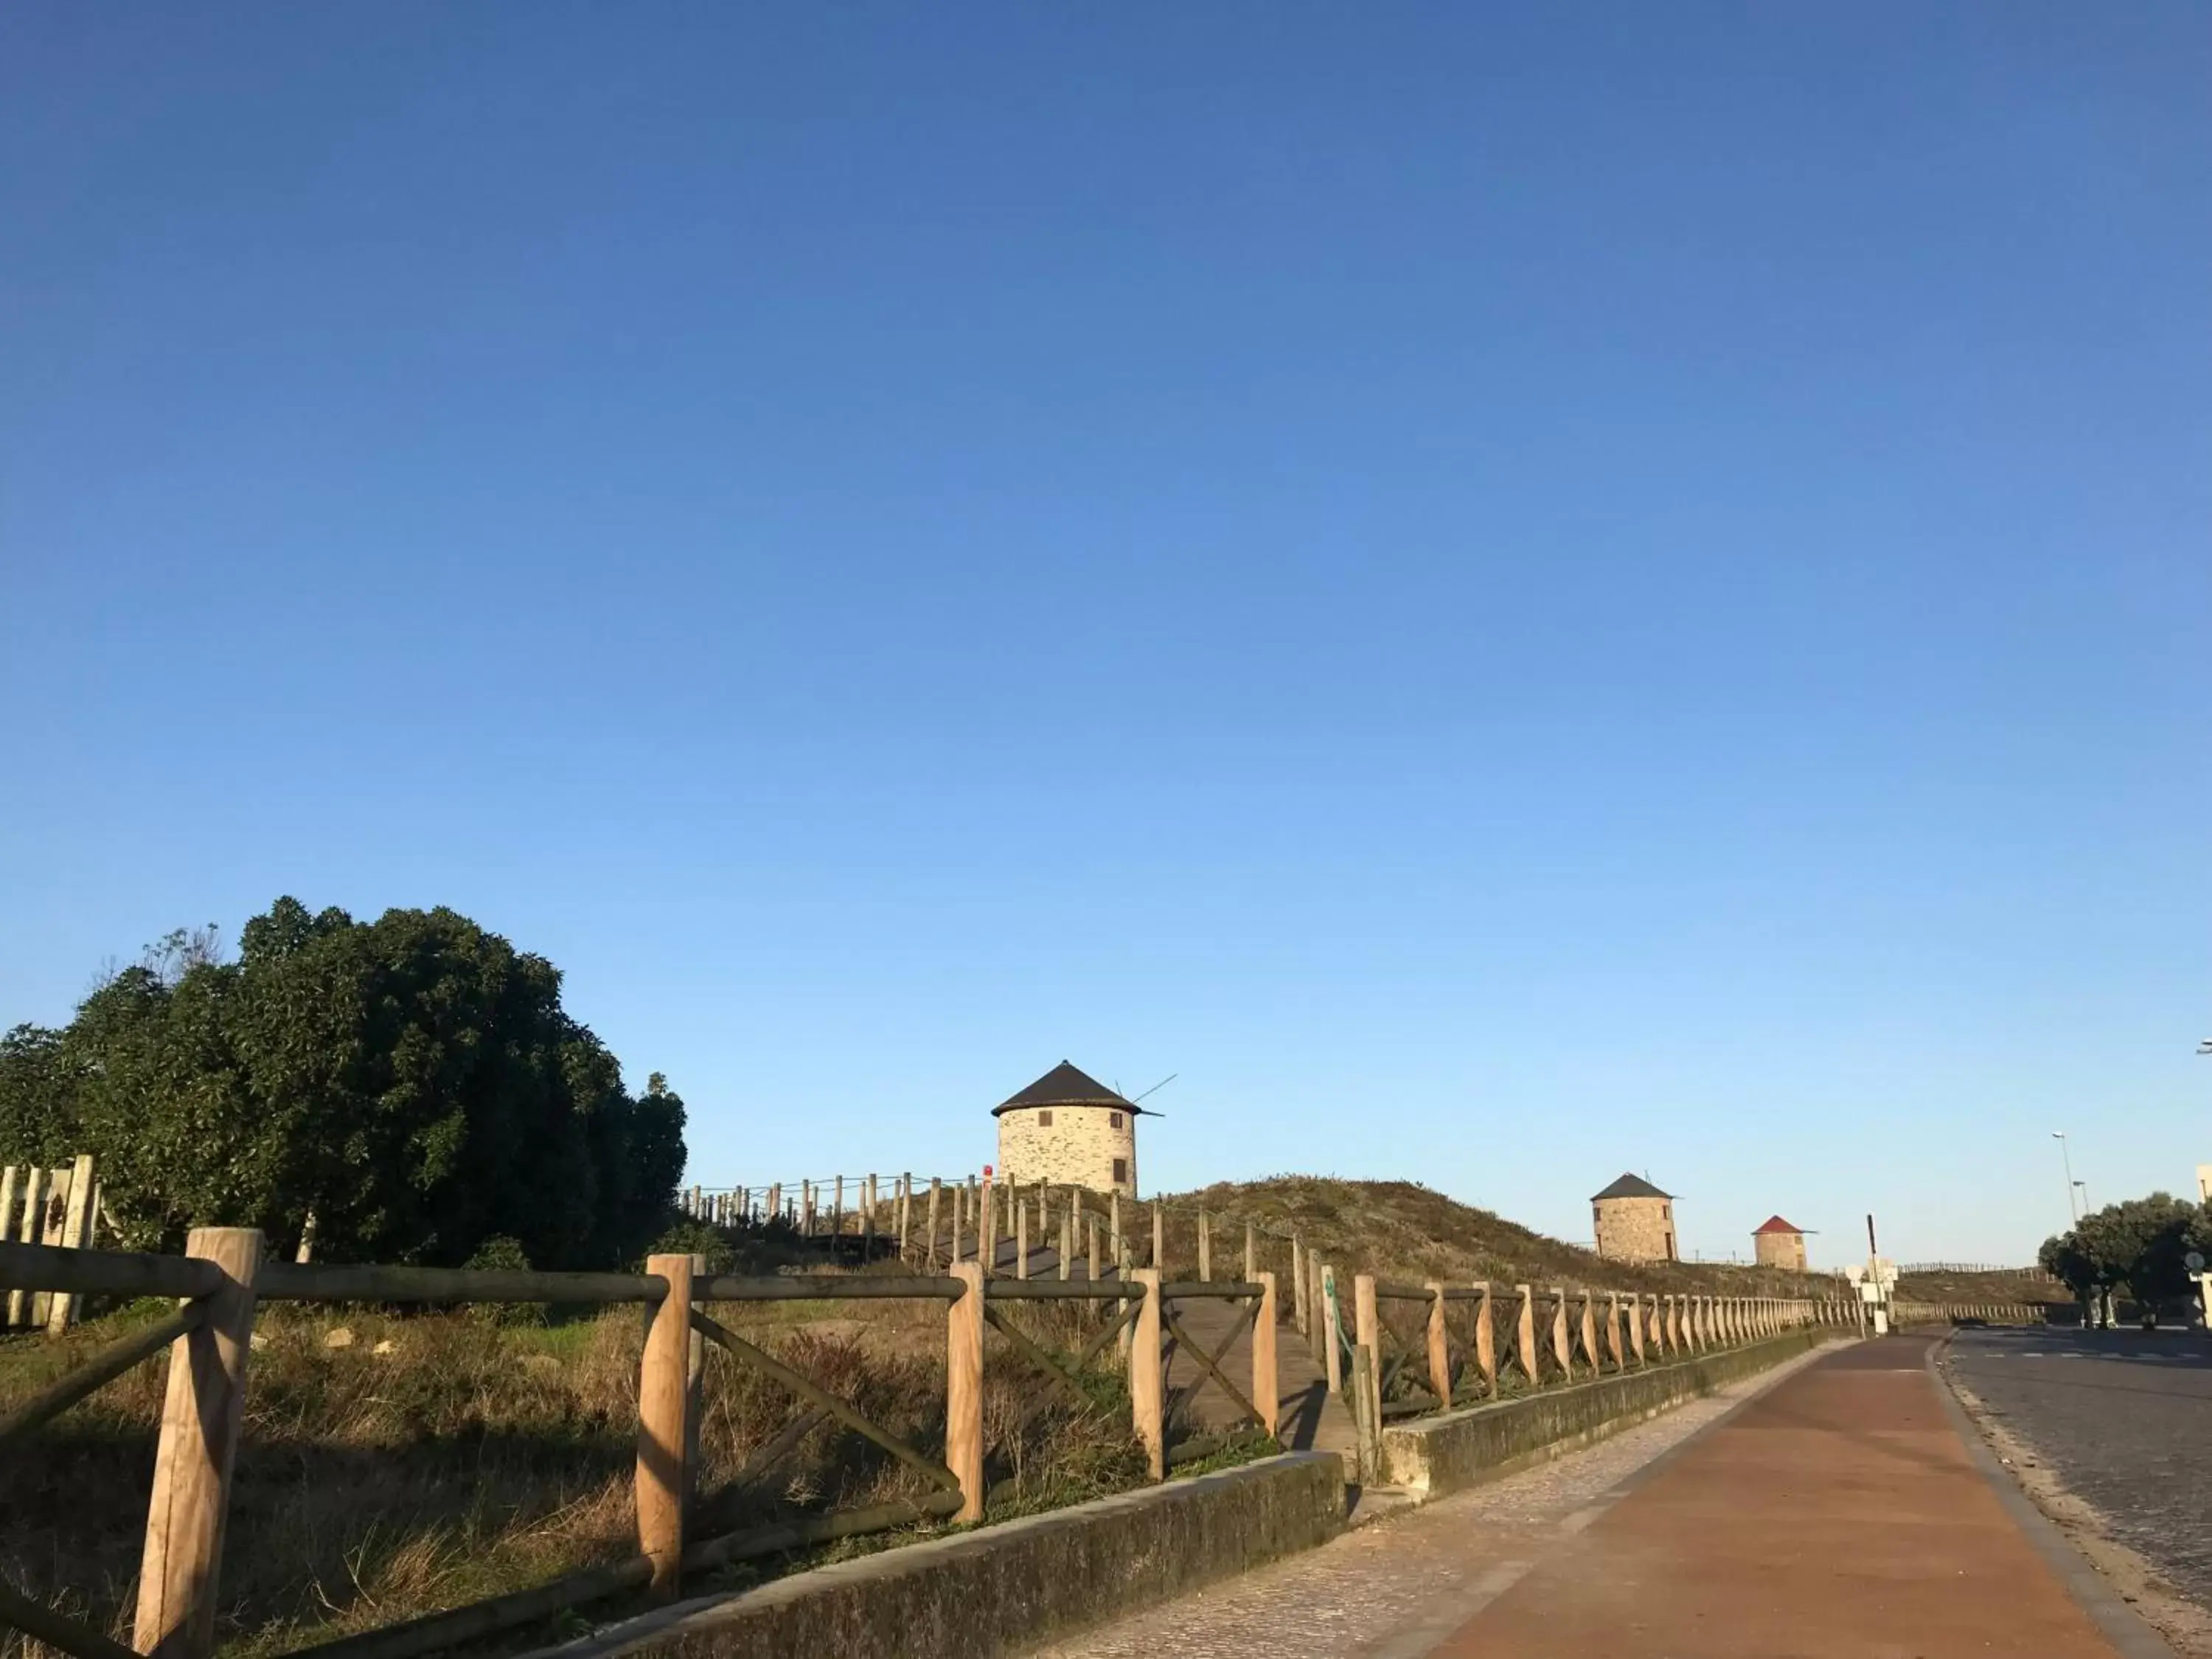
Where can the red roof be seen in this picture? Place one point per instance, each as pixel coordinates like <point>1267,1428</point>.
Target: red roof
<point>1775,1224</point>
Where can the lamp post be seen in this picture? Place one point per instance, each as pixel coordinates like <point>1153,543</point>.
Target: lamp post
<point>2067,1157</point>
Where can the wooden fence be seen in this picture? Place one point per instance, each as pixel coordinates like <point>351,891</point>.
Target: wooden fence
<point>58,1206</point>
<point>1400,1351</point>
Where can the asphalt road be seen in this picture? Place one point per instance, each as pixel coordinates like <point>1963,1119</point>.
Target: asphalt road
<point>2124,1418</point>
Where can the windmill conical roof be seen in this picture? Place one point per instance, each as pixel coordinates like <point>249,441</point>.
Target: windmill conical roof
<point>1064,1085</point>
<point>1629,1186</point>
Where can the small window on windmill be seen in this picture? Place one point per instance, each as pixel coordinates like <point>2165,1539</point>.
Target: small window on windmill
<point>1044,1120</point>
<point>1121,1170</point>
<point>1114,1122</point>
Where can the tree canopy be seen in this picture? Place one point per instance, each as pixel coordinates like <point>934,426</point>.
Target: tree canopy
<point>2138,1245</point>
<point>413,1082</point>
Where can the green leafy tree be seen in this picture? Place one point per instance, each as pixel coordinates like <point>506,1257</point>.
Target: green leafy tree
<point>412,1082</point>
<point>2139,1245</point>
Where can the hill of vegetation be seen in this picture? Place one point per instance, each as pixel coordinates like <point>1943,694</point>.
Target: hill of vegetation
<point>1404,1231</point>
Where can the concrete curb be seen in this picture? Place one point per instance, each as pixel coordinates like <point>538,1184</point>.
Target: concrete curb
<point>1442,1455</point>
<point>1007,1588</point>
<point>2127,1630</point>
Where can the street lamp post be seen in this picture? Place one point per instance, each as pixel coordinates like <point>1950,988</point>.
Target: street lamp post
<point>2066,1155</point>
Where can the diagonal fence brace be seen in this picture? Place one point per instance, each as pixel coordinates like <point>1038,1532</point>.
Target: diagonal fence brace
<point>1208,1361</point>
<point>808,1390</point>
<point>103,1368</point>
<point>1036,1356</point>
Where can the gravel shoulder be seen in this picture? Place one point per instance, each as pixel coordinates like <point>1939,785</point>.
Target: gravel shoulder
<point>1394,1589</point>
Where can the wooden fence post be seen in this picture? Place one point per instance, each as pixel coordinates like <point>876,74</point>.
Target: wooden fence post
<point>964,1389</point>
<point>180,1569</point>
<point>11,1194</point>
<point>1561,1349</point>
<point>1314,1311</point>
<point>1125,1269</point>
<point>1588,1325</point>
<point>1251,1254</point>
<point>1367,1331</point>
<point>76,1235</point>
<point>1267,1380</point>
<point>936,1195</point>
<point>1332,1325</point>
<point>1159,1236</point>
<point>1486,1343</point>
<point>1021,1240</point>
<point>1067,1241</point>
<point>1205,1249</point>
<point>1636,1320</point>
<point>1439,1347</point>
<point>664,1435</point>
<point>23,1305</point>
<point>1298,1284</point>
<point>694,1399</point>
<point>1147,1382</point>
<point>1362,1419</point>
<point>1115,1244</point>
<point>1612,1331</point>
<point>1093,1267</point>
<point>986,1232</point>
<point>905,1209</point>
<point>1525,1333</point>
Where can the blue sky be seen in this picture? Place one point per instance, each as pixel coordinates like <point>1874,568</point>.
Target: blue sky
<point>1511,593</point>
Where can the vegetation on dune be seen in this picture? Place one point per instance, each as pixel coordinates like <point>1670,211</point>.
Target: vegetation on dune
<point>413,1082</point>
<point>1402,1231</point>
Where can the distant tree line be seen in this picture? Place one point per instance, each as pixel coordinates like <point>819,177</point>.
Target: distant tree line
<point>412,1083</point>
<point>2139,1246</point>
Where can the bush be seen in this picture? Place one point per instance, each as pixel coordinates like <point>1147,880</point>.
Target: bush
<point>413,1082</point>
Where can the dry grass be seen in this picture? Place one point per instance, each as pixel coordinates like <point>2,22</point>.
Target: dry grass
<point>473,1457</point>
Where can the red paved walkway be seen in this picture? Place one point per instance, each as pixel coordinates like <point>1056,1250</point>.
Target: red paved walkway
<point>1838,1514</point>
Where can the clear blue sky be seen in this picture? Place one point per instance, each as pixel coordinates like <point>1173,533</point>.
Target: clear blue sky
<point>1512,592</point>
